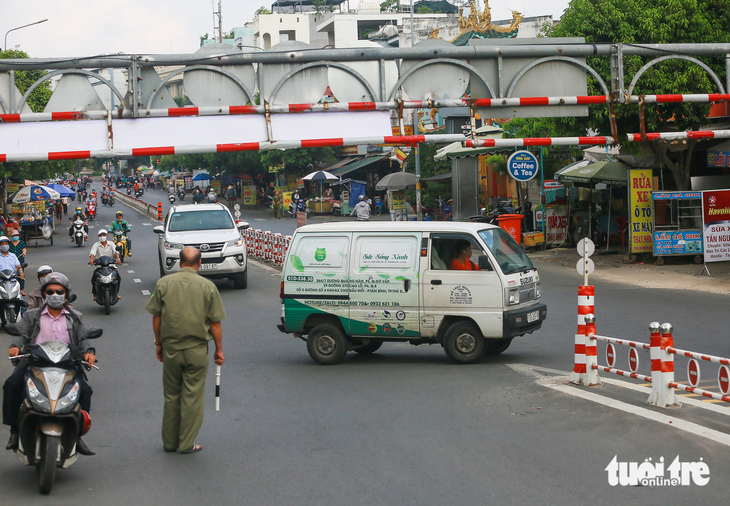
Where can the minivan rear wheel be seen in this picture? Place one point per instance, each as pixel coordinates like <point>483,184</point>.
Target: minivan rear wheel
<point>464,343</point>
<point>327,344</point>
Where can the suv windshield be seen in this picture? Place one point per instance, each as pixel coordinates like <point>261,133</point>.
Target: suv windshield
<point>508,254</point>
<point>199,220</point>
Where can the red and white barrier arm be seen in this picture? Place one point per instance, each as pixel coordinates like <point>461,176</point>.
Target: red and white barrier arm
<point>663,99</point>
<point>699,356</point>
<point>622,373</point>
<point>633,344</point>
<point>679,136</point>
<point>699,391</point>
<point>538,141</point>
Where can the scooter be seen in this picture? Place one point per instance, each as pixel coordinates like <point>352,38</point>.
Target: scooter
<point>82,195</point>
<point>129,190</point>
<point>107,283</point>
<point>491,216</point>
<point>181,194</point>
<point>212,198</point>
<point>104,199</point>
<point>120,242</point>
<point>91,210</point>
<point>78,232</point>
<point>139,192</point>
<point>51,420</point>
<point>297,206</point>
<point>11,300</point>
<point>111,200</point>
<point>171,198</point>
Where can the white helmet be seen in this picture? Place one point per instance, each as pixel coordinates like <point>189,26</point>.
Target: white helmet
<point>102,232</point>
<point>4,238</point>
<point>44,270</point>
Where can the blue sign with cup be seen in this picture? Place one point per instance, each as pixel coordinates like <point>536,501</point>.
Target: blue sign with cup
<point>523,166</point>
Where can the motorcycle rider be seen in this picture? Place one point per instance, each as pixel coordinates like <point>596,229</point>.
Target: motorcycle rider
<point>35,297</point>
<point>53,321</point>
<point>197,194</point>
<point>121,225</point>
<point>362,210</point>
<point>9,260</point>
<point>212,196</point>
<point>79,215</point>
<point>170,189</point>
<point>103,248</point>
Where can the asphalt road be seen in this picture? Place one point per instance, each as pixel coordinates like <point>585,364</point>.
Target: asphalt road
<point>403,426</point>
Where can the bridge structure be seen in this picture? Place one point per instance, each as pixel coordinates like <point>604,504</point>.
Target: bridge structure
<point>276,99</point>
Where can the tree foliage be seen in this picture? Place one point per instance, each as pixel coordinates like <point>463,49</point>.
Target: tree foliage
<point>644,22</point>
<point>429,167</point>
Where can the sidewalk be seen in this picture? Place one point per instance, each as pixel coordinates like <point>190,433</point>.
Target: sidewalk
<point>678,273</point>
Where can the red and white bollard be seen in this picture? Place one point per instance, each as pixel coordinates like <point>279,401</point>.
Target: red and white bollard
<point>585,307</point>
<point>662,366</point>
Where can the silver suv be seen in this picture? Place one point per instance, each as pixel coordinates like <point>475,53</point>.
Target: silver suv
<point>211,229</point>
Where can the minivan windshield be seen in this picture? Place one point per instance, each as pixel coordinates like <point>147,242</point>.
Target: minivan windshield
<point>508,254</point>
<point>200,220</point>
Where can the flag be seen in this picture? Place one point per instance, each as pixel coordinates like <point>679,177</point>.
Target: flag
<point>400,155</point>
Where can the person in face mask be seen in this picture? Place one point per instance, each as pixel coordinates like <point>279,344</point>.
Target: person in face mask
<point>121,225</point>
<point>17,247</point>
<point>9,260</point>
<point>103,248</point>
<point>54,321</point>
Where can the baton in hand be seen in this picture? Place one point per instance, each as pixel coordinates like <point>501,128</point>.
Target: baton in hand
<point>217,387</point>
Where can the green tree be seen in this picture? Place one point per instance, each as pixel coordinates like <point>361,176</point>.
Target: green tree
<point>644,22</point>
<point>429,167</point>
<point>261,11</point>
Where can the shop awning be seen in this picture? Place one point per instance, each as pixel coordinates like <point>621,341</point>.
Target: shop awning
<point>368,160</point>
<point>614,173</point>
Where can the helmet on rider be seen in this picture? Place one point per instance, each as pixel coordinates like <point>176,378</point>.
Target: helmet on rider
<point>362,197</point>
<point>56,278</point>
<point>78,210</point>
<point>119,215</point>
<point>104,233</point>
<point>43,271</point>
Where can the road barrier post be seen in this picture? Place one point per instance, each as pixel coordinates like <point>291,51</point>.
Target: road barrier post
<point>585,307</point>
<point>662,366</point>
<point>159,211</point>
<point>591,377</point>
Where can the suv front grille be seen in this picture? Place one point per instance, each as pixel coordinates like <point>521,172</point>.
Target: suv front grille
<point>214,246</point>
<point>216,260</point>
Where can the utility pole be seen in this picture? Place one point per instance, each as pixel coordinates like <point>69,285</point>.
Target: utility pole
<point>415,132</point>
<point>218,22</point>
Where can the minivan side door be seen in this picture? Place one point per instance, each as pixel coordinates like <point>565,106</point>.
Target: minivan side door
<point>449,292</point>
<point>384,284</point>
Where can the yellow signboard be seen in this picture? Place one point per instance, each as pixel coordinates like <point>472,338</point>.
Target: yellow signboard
<point>13,187</point>
<point>287,199</point>
<point>398,200</point>
<point>249,195</point>
<point>216,185</point>
<point>640,181</point>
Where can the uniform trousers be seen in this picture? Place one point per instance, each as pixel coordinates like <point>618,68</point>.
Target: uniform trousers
<point>183,381</point>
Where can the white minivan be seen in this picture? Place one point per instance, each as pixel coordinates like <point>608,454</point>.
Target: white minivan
<point>355,286</point>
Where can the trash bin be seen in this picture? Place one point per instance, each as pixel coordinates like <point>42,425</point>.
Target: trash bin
<point>512,223</point>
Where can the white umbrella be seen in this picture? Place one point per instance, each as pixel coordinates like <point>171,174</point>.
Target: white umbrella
<point>33,193</point>
<point>320,176</point>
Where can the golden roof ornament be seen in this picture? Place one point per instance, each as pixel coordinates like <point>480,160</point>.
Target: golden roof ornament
<point>481,22</point>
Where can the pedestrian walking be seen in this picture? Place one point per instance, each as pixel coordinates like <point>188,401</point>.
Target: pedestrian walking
<point>231,196</point>
<point>277,205</point>
<point>186,313</point>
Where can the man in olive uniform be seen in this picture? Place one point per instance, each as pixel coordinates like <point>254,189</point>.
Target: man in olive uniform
<point>186,313</point>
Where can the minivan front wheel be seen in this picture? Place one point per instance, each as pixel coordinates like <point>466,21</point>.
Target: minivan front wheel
<point>463,343</point>
<point>327,344</point>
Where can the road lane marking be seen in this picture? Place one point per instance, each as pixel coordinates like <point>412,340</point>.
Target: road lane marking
<point>259,219</point>
<point>147,224</point>
<point>137,280</point>
<point>145,292</point>
<point>560,384</point>
<point>130,272</point>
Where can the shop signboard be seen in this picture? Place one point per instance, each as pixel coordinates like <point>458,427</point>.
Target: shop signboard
<point>718,159</point>
<point>13,187</point>
<point>716,224</point>
<point>556,224</point>
<point>398,200</point>
<point>677,243</point>
<point>249,195</point>
<point>287,199</point>
<point>640,211</point>
<point>216,185</point>
<point>522,166</point>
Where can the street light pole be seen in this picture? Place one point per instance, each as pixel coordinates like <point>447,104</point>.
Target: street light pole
<point>5,46</point>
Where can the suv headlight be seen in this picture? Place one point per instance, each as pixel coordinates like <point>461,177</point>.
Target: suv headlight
<point>512,296</point>
<point>173,245</point>
<point>235,242</point>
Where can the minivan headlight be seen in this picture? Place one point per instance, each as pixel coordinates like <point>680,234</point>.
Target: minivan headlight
<point>173,245</point>
<point>235,242</point>
<point>512,296</point>
<point>538,292</point>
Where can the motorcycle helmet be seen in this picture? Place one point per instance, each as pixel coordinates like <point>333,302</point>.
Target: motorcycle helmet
<point>4,238</point>
<point>86,423</point>
<point>78,209</point>
<point>56,278</point>
<point>102,232</point>
<point>119,213</point>
<point>43,271</point>
<point>362,197</point>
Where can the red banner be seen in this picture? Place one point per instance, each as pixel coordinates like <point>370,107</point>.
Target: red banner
<point>716,221</point>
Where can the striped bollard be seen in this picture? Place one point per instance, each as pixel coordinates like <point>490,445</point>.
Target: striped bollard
<point>159,211</point>
<point>662,366</point>
<point>592,377</point>
<point>585,307</point>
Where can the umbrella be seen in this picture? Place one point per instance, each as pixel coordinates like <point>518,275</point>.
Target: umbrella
<point>202,177</point>
<point>62,190</point>
<point>320,176</point>
<point>397,181</point>
<point>591,173</point>
<point>34,192</point>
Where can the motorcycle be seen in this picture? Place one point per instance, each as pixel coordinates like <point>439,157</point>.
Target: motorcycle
<point>91,210</point>
<point>107,283</point>
<point>139,192</point>
<point>491,217</point>
<point>181,194</point>
<point>212,198</point>
<point>11,299</point>
<point>171,198</point>
<point>82,195</point>
<point>197,197</point>
<point>129,191</point>
<point>104,199</point>
<point>297,206</point>
<point>78,232</point>
<point>120,242</point>
<point>51,419</point>
<point>111,200</point>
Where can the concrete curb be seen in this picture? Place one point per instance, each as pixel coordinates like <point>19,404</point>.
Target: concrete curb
<point>143,207</point>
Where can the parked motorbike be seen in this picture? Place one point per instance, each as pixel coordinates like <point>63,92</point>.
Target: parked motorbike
<point>107,283</point>
<point>78,232</point>
<point>120,242</point>
<point>181,194</point>
<point>51,420</point>
<point>297,206</point>
<point>491,216</point>
<point>11,300</point>
<point>91,210</point>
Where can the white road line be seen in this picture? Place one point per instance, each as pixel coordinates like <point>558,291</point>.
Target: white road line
<point>259,219</point>
<point>130,272</point>
<point>559,383</point>
<point>147,224</point>
<point>145,292</point>
<point>137,280</point>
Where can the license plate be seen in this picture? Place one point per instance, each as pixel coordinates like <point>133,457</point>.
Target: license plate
<point>208,267</point>
<point>533,317</point>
